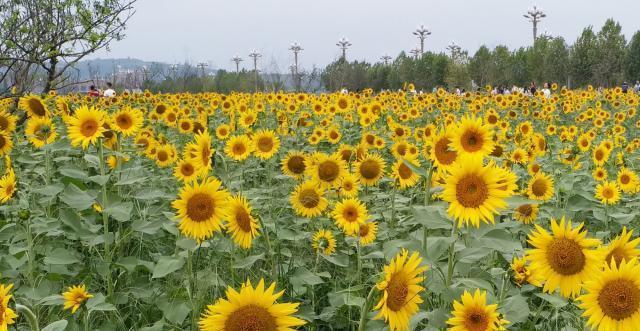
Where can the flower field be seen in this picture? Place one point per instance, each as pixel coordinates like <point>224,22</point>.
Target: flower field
<point>344,211</point>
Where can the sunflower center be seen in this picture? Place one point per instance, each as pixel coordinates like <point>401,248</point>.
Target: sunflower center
<point>525,210</point>
<point>265,144</point>
<point>565,256</point>
<point>471,191</point>
<point>471,141</point>
<point>476,320</point>
<point>187,169</point>
<point>619,299</point>
<point>539,188</point>
<point>404,172</point>
<point>239,149</point>
<point>89,127</point>
<point>185,125</point>
<point>296,164</point>
<point>397,290</point>
<point>309,198</point>
<point>599,155</point>
<point>328,171</point>
<point>369,169</point>
<point>444,155</point>
<point>200,207</point>
<point>243,219</point>
<point>625,179</point>
<point>124,121</point>
<point>162,156</point>
<point>617,255</point>
<point>607,193</point>
<point>251,318</point>
<point>37,107</point>
<point>4,123</point>
<point>364,230</point>
<point>350,214</point>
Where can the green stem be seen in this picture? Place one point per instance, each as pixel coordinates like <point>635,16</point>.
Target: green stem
<point>105,218</point>
<point>31,317</point>
<point>452,253</point>
<point>427,200</point>
<point>30,253</point>
<point>192,290</point>
<point>364,311</point>
<point>274,266</point>
<point>393,204</point>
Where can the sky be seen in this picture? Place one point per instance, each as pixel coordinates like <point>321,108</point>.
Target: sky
<point>213,31</point>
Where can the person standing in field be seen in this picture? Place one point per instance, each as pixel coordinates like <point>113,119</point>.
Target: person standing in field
<point>93,91</point>
<point>109,92</point>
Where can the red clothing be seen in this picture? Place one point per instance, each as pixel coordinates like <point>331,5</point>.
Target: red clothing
<point>94,93</point>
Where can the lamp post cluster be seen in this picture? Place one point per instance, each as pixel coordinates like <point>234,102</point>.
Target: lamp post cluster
<point>535,15</point>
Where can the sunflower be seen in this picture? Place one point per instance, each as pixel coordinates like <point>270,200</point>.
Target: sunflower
<point>8,185</point>
<point>202,152</point>
<point>185,171</point>
<point>250,309</point>
<point>34,106</point>
<point>349,185</point>
<point>242,226</point>
<point>526,213</point>
<point>324,242</point>
<point>200,208</point>
<point>400,290</point>
<point>599,174</point>
<point>128,121</point>
<point>474,192</point>
<point>441,153</point>
<point>472,313</point>
<point>370,169</point>
<point>265,144</point>
<point>470,136</point>
<point>223,131</point>
<point>86,126</point>
<point>40,131</point>
<point>404,176</point>
<point>185,125</point>
<point>622,248</point>
<point>540,187</point>
<point>522,272</point>
<point>238,147</point>
<point>6,143</point>
<point>308,200</point>
<point>349,214</point>
<point>7,122</point>
<point>7,315</point>
<point>293,165</point>
<point>75,296</point>
<point>564,258</point>
<point>612,298</point>
<point>165,155</point>
<point>327,170</point>
<point>367,232</point>
<point>608,193</point>
<point>627,180</point>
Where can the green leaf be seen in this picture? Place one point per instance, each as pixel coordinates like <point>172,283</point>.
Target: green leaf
<point>554,300</point>
<point>516,309</point>
<point>432,216</point>
<point>97,303</point>
<point>303,276</point>
<point>120,211</point>
<point>56,326</point>
<point>76,198</point>
<point>167,265</point>
<point>49,190</point>
<point>248,261</point>
<point>74,172</point>
<point>61,256</point>
<point>340,260</point>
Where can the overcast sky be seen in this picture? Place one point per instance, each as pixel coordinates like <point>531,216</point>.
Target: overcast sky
<point>213,31</point>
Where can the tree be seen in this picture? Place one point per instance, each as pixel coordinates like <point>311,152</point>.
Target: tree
<point>55,34</point>
<point>610,54</point>
<point>555,61</point>
<point>633,58</point>
<point>480,66</point>
<point>583,57</point>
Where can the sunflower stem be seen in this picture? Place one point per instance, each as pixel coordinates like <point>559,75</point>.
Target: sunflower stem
<point>427,201</point>
<point>31,317</point>
<point>192,294</point>
<point>105,218</point>
<point>274,266</point>
<point>30,252</point>
<point>364,311</point>
<point>393,204</point>
<point>452,253</point>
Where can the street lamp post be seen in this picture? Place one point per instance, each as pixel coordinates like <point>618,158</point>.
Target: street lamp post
<point>535,15</point>
<point>296,48</point>
<point>255,55</point>
<point>422,32</point>
<point>386,58</point>
<point>237,59</point>
<point>344,43</point>
<point>455,50</point>
<point>415,52</point>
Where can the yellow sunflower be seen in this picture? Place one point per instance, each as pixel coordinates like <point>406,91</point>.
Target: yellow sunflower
<point>6,143</point>
<point>367,232</point>
<point>622,248</point>
<point>349,214</point>
<point>185,171</point>
<point>238,147</point>
<point>526,213</point>
<point>608,193</point>
<point>349,185</point>
<point>223,131</point>
<point>265,144</point>
<point>474,192</point>
<point>522,272</point>
<point>7,315</point>
<point>34,106</point>
<point>75,296</point>
<point>627,180</point>
<point>7,122</point>
<point>472,313</point>
<point>128,121</point>
<point>441,154</point>
<point>401,290</point>
<point>293,165</point>
<point>202,152</point>
<point>540,187</point>
<point>324,242</point>
<point>8,185</point>
<point>40,131</point>
<point>370,169</point>
<point>308,200</point>
<point>86,126</point>
<point>200,208</point>
<point>240,223</point>
<point>250,309</point>
<point>612,298</point>
<point>327,170</point>
<point>404,176</point>
<point>470,136</point>
<point>564,258</point>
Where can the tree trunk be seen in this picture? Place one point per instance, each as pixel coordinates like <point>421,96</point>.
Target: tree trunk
<point>51,74</point>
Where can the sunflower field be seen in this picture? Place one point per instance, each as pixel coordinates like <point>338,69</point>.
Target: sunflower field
<point>342,211</point>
